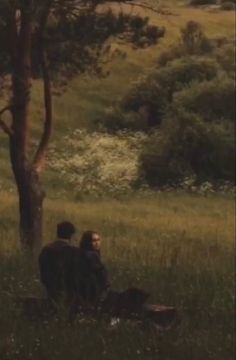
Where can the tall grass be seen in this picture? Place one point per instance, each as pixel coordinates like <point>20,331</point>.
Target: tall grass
<point>178,247</point>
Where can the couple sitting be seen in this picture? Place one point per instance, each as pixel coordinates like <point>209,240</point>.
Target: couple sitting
<point>73,274</point>
<point>78,276</point>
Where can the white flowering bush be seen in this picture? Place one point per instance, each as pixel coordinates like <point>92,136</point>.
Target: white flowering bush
<point>98,163</point>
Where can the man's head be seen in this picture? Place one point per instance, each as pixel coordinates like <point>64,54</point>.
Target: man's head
<point>65,230</point>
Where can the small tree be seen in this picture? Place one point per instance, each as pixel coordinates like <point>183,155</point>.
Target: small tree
<point>50,39</point>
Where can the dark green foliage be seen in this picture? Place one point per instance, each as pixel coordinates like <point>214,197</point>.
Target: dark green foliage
<point>225,56</point>
<point>227,1</point>
<point>194,40</point>
<point>158,165</point>
<point>149,98</point>
<point>76,35</point>
<point>115,119</point>
<point>190,97</point>
<point>202,2</point>
<point>197,136</point>
<point>172,53</point>
<point>228,5</point>
<point>189,146</point>
<point>213,100</point>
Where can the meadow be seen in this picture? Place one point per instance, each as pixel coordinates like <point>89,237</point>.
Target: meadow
<point>179,247</point>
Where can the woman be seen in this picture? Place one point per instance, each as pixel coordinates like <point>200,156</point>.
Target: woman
<point>92,274</point>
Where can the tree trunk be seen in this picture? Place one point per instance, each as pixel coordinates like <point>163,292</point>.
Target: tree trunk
<point>26,176</point>
<point>31,213</point>
<point>31,198</point>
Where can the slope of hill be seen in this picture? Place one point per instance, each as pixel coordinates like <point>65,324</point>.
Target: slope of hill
<point>86,98</point>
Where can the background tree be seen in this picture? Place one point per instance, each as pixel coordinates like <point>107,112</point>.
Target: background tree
<point>53,40</point>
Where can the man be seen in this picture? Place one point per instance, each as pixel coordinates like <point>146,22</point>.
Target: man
<point>57,265</point>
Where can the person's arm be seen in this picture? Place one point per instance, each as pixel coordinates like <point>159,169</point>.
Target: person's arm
<point>99,269</point>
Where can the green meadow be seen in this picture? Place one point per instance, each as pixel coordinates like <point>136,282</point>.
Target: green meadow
<point>178,246</point>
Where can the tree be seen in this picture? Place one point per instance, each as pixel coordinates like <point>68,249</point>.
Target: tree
<point>53,40</point>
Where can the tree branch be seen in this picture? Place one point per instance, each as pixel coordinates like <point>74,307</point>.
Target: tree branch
<point>144,6</point>
<point>3,125</point>
<point>39,158</point>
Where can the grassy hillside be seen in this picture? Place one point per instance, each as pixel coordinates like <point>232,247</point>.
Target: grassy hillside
<point>86,97</point>
<point>178,247</point>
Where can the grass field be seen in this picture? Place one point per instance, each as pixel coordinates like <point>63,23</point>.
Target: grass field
<point>177,246</point>
<point>180,247</point>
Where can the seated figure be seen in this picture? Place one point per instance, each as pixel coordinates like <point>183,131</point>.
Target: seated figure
<point>57,265</point>
<point>92,277</point>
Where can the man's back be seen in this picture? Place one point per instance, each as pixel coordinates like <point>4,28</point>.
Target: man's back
<point>56,263</point>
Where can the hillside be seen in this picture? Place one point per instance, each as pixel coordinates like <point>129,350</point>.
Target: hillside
<point>86,98</point>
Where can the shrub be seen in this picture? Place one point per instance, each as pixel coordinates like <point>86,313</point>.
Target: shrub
<point>213,100</point>
<point>187,147</point>
<point>207,148</point>
<point>194,40</point>
<point>202,2</point>
<point>228,5</point>
<point>145,104</point>
<point>151,96</point>
<point>159,165</point>
<point>115,119</point>
<point>98,163</point>
<point>171,53</point>
<point>226,1</point>
<point>225,56</point>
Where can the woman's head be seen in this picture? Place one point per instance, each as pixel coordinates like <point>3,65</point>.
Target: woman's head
<point>90,240</point>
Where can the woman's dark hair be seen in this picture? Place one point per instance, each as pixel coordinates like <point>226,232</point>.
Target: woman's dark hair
<point>65,230</point>
<point>86,240</point>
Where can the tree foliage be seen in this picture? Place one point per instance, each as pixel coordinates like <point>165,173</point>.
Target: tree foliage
<point>51,39</point>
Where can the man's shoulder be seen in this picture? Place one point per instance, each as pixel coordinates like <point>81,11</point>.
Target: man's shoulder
<point>59,245</point>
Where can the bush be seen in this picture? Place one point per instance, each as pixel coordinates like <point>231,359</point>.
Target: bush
<point>145,104</point>
<point>225,56</point>
<point>159,165</point>
<point>227,1</point>
<point>189,147</point>
<point>115,119</point>
<point>170,54</point>
<point>207,148</point>
<point>213,100</point>
<point>194,40</point>
<point>98,163</point>
<point>202,2</point>
<point>228,5</point>
<point>151,96</point>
